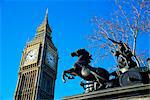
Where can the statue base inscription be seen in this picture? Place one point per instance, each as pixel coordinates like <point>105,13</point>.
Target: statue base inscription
<point>141,91</point>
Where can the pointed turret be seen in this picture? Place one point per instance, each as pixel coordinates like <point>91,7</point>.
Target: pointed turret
<point>46,15</point>
<point>44,27</point>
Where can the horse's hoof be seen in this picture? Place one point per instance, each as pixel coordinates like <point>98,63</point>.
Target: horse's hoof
<point>82,84</point>
<point>64,80</point>
<point>70,77</point>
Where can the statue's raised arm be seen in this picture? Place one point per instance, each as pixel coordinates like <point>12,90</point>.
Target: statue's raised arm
<point>114,41</point>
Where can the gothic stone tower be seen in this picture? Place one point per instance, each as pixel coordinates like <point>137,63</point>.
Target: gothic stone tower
<point>38,66</point>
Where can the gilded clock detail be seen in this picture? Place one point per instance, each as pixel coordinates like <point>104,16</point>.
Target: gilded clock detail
<point>31,56</point>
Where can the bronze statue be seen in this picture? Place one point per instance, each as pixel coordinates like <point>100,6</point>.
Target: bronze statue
<point>98,78</point>
<point>124,55</point>
<point>85,71</point>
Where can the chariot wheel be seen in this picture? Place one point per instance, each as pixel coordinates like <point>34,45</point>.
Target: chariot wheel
<point>131,77</point>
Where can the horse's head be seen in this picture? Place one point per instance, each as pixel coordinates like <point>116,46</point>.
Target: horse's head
<point>82,52</point>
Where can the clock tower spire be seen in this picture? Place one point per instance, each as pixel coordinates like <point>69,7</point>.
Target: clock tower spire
<point>46,16</point>
<point>44,26</point>
<point>38,66</point>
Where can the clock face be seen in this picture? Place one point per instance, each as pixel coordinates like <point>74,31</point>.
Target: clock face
<point>31,55</point>
<point>50,59</point>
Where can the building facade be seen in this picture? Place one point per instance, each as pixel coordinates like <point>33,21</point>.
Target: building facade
<point>38,66</point>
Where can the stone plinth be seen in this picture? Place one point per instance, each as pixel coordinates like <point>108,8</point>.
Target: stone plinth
<point>136,92</point>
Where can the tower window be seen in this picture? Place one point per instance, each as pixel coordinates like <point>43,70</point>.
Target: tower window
<point>48,85</point>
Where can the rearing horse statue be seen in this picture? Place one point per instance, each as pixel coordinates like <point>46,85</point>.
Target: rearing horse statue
<point>85,71</point>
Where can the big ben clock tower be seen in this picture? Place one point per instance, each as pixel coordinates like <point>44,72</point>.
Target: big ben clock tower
<point>38,66</point>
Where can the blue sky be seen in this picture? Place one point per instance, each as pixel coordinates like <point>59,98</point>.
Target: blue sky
<point>70,23</point>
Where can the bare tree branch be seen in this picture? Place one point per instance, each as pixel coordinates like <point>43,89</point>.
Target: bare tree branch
<point>129,20</point>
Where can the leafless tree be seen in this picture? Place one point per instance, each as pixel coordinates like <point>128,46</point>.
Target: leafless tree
<point>130,18</point>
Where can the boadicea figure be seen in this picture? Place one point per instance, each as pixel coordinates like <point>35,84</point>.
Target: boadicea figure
<point>124,55</point>
<point>83,69</point>
<point>129,72</point>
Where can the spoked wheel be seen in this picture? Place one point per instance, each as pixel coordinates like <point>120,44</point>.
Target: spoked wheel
<point>131,77</point>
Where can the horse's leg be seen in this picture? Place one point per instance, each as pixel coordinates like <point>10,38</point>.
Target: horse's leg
<point>96,77</point>
<point>71,72</point>
<point>83,84</point>
<point>63,76</point>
